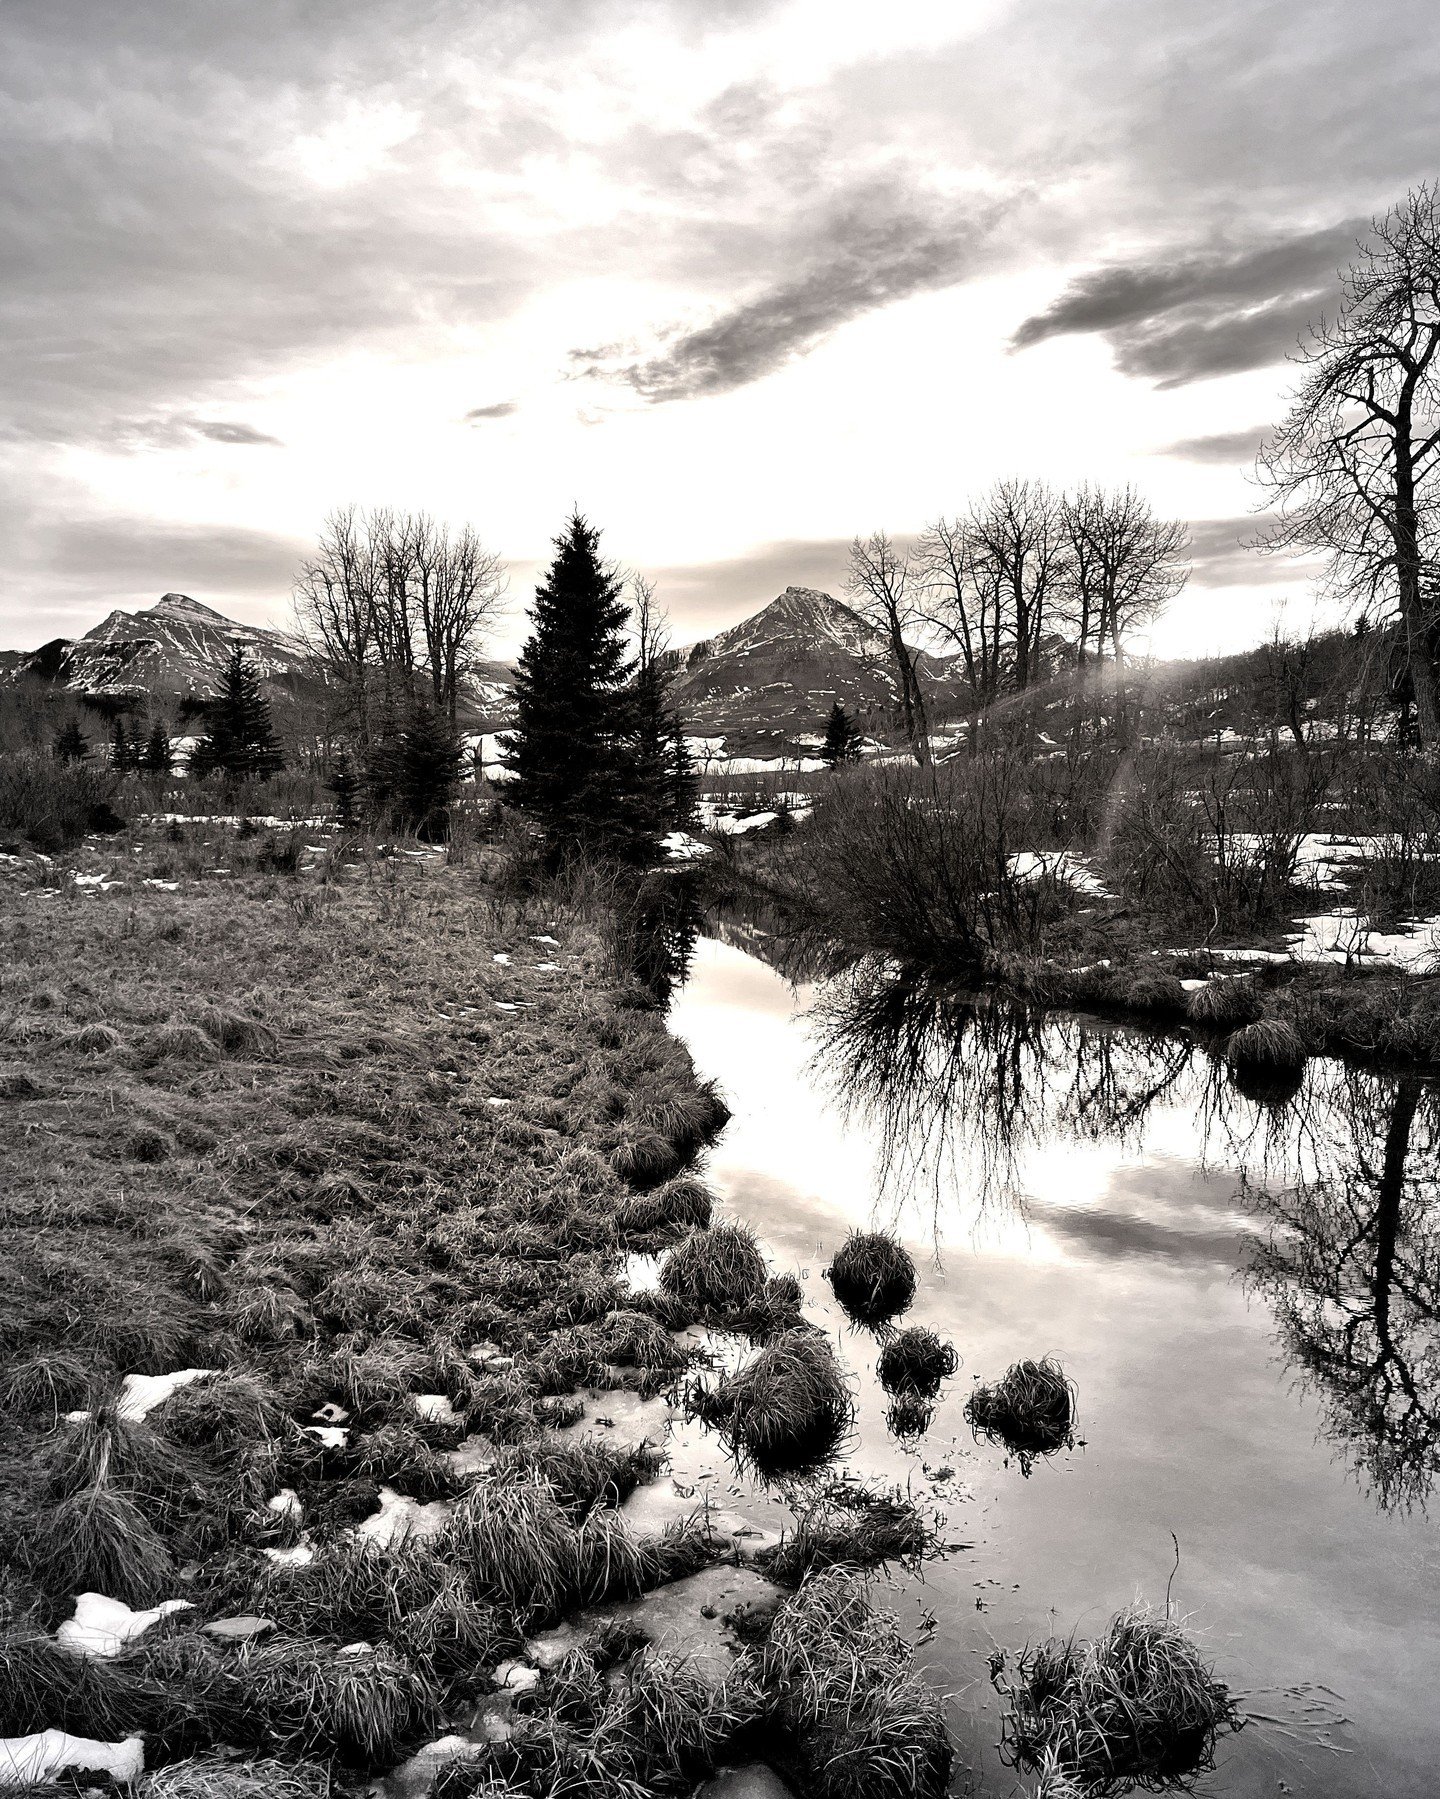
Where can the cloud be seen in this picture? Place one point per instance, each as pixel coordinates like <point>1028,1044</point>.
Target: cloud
<point>1220,550</point>
<point>1219,447</point>
<point>224,431</point>
<point>877,249</point>
<point>502,409</point>
<point>1214,312</point>
<point>701,598</point>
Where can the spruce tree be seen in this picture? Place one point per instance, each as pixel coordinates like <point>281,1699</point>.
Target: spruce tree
<point>427,772</point>
<point>345,786</point>
<point>156,759</point>
<point>684,783</point>
<point>70,743</point>
<point>124,758</point>
<point>573,751</point>
<point>842,737</point>
<point>239,740</point>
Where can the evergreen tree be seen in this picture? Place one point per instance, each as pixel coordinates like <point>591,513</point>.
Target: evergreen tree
<point>578,772</point>
<point>70,743</point>
<point>239,740</point>
<point>427,772</point>
<point>125,746</point>
<point>842,737</point>
<point>156,759</point>
<point>345,785</point>
<point>683,782</point>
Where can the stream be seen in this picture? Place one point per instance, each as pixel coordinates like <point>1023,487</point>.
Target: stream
<point>1245,1294</point>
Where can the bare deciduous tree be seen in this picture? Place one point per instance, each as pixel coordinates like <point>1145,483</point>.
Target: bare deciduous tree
<point>884,588</point>
<point>1352,466</point>
<point>962,600</point>
<point>389,598</point>
<point>1019,538</point>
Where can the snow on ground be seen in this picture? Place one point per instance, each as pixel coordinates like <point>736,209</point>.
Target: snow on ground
<point>102,1627</point>
<point>35,1760</point>
<point>403,1520</point>
<point>141,1393</point>
<point>680,846</point>
<point>1060,865</point>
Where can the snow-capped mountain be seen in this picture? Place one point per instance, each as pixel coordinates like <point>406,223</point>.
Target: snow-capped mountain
<point>175,648</point>
<point>767,684</point>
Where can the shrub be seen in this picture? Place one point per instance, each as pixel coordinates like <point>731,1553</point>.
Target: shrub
<point>786,1410</point>
<point>1031,1410</point>
<point>915,1362</point>
<point>873,1277</point>
<point>1135,1707</point>
<point>53,804</point>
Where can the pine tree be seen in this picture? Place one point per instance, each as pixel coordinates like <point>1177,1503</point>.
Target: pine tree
<point>345,785</point>
<point>155,758</point>
<point>573,750</point>
<point>70,743</point>
<point>125,747</point>
<point>842,737</point>
<point>239,740</point>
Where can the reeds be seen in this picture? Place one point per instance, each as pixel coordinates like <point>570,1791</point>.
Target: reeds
<point>1030,1410</point>
<point>873,1277</point>
<point>1137,1706</point>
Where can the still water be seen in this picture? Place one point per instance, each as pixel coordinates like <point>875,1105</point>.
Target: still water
<point>1245,1295</point>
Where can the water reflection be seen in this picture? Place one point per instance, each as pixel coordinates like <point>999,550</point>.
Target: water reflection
<point>1342,1188</point>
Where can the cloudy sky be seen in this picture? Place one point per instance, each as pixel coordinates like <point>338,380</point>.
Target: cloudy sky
<point>738,277</point>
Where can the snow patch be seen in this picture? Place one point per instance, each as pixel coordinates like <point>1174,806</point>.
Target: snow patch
<point>102,1627</point>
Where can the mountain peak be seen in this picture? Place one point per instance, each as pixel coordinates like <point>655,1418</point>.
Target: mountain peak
<point>181,606</point>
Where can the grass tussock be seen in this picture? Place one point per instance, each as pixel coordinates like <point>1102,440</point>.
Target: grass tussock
<point>679,1205</point>
<point>1136,1706</point>
<point>787,1410</point>
<point>1269,1046</point>
<point>1031,1410</point>
<point>916,1362</point>
<point>857,1721</point>
<point>266,1777</point>
<point>1224,1003</point>
<point>873,1277</point>
<point>715,1271</point>
<point>849,1526</point>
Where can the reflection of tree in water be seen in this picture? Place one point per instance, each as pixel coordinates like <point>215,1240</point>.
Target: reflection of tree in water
<point>657,931</point>
<point>959,1087</point>
<point>1344,1180</point>
<point>1350,1265</point>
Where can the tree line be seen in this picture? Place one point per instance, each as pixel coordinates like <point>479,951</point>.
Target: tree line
<point>1025,583</point>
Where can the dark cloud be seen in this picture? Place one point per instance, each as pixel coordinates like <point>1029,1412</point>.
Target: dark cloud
<point>222,431</point>
<point>1219,447</point>
<point>1222,554</point>
<point>1213,312</point>
<point>879,248</point>
<point>502,409</point>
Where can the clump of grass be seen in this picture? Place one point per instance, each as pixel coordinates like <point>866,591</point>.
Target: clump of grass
<point>1154,992</point>
<point>97,1039</point>
<point>1137,1706</point>
<point>681,1204</point>
<point>1224,1003</point>
<point>201,1777</point>
<point>1031,1410</point>
<point>915,1362</point>
<point>581,1474</point>
<point>269,1312</point>
<point>714,1271</point>
<point>361,1707</point>
<point>852,1527</point>
<point>237,1033</point>
<point>839,1678</point>
<point>51,1381</point>
<point>145,1144</point>
<point>225,1413</point>
<point>908,1416</point>
<point>179,1042</point>
<point>873,1277</point>
<point>1266,1059</point>
<point>788,1409</point>
<point>518,1544</point>
<point>97,1540</point>
<point>636,1340</point>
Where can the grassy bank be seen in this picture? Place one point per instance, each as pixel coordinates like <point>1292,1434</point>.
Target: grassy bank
<point>365,1137</point>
